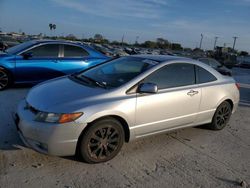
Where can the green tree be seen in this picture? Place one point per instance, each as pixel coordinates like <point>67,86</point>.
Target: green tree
<point>176,46</point>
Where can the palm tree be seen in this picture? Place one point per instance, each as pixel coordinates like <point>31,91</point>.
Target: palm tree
<point>52,27</point>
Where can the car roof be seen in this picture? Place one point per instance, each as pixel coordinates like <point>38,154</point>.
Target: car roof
<point>161,58</point>
<point>56,41</point>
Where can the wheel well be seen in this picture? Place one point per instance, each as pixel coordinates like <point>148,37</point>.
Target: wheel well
<point>121,120</point>
<point>9,72</point>
<point>231,103</point>
<point>118,118</point>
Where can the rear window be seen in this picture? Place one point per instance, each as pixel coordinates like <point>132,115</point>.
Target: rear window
<point>203,76</point>
<point>74,51</point>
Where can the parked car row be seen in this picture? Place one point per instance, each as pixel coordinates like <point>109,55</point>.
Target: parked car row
<point>114,51</point>
<point>216,65</point>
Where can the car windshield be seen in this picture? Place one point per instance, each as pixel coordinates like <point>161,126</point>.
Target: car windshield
<point>116,72</point>
<point>20,47</point>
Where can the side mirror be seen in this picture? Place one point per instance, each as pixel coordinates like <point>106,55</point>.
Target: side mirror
<point>147,88</point>
<point>27,55</point>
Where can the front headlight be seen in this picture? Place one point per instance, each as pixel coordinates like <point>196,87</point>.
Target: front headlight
<point>57,118</point>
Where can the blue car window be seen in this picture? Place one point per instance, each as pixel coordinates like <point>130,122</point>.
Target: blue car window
<point>74,51</point>
<point>47,50</point>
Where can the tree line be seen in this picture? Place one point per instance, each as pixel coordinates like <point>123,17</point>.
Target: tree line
<point>159,43</point>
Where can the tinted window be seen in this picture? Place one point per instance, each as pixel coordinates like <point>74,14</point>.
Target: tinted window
<point>118,72</point>
<point>74,51</point>
<point>48,50</point>
<point>204,76</point>
<point>173,75</point>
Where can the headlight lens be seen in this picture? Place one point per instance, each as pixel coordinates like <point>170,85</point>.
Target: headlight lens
<point>57,118</point>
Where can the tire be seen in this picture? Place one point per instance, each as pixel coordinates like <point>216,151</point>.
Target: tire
<point>222,116</point>
<point>101,141</point>
<point>5,79</point>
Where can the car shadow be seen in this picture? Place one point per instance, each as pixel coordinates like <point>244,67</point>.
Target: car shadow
<point>228,181</point>
<point>9,98</point>
<point>11,140</point>
<point>24,86</point>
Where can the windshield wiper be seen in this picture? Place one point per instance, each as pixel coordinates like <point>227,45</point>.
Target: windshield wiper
<point>97,83</point>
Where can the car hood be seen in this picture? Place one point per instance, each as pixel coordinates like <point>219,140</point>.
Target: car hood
<point>62,95</point>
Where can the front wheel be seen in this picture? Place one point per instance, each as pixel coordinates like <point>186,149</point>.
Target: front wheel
<point>4,79</point>
<point>221,116</point>
<point>101,141</point>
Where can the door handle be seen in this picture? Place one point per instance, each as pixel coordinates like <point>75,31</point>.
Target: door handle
<point>55,61</point>
<point>192,93</point>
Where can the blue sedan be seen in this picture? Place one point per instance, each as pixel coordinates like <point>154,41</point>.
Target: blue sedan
<point>39,60</point>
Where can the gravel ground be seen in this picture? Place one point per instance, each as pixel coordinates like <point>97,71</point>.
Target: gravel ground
<point>192,157</point>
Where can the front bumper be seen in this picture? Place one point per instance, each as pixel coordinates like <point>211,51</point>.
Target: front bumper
<point>48,138</point>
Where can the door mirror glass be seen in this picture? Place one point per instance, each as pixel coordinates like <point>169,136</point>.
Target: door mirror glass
<point>27,55</point>
<point>147,88</point>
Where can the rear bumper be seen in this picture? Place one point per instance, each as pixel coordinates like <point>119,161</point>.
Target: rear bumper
<point>47,138</point>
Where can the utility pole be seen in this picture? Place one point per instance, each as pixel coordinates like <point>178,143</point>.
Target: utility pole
<point>235,38</point>
<point>215,41</point>
<point>122,39</point>
<point>201,40</point>
<point>136,39</point>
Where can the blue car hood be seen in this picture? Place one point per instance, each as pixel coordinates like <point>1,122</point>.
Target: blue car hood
<point>62,95</point>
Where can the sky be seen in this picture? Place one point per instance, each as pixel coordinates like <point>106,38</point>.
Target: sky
<point>180,21</point>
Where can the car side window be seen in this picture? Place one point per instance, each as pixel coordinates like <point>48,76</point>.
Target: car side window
<point>203,76</point>
<point>74,51</point>
<point>47,50</point>
<point>173,75</point>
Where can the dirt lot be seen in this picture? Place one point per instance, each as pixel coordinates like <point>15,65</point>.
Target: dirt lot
<point>193,157</point>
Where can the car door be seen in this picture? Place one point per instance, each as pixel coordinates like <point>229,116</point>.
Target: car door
<point>38,64</point>
<point>75,58</point>
<point>174,105</point>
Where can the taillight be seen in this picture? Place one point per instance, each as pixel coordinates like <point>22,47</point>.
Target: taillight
<point>237,85</point>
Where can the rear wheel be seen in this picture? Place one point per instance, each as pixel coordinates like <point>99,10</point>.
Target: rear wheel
<point>5,79</point>
<point>221,116</point>
<point>101,141</point>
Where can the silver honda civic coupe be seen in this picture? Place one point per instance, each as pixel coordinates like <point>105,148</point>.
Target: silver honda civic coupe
<point>92,113</point>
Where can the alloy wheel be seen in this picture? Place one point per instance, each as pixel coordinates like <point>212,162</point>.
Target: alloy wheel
<point>103,142</point>
<point>223,115</point>
<point>4,80</point>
